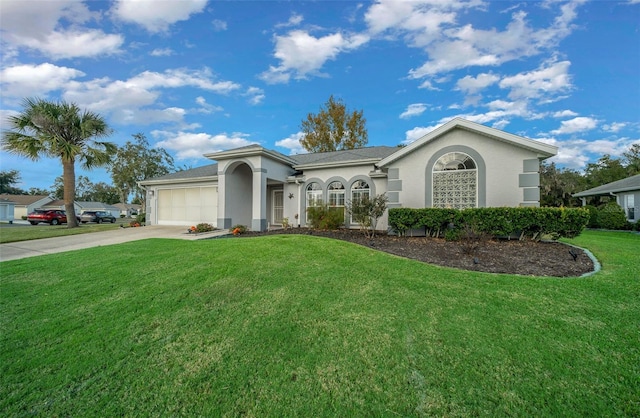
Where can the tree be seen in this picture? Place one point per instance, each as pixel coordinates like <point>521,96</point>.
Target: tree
<point>8,179</point>
<point>60,130</point>
<point>334,128</point>
<point>632,159</point>
<point>366,212</point>
<point>136,161</point>
<point>558,185</point>
<point>605,170</point>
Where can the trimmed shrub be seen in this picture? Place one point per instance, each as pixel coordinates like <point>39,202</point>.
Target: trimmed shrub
<point>611,216</point>
<point>325,217</point>
<point>527,222</point>
<point>204,227</point>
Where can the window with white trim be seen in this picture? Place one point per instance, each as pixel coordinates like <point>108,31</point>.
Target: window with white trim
<point>455,181</point>
<point>630,199</point>
<point>336,194</point>
<point>314,195</point>
<point>359,190</point>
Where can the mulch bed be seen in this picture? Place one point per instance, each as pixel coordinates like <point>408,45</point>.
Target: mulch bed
<point>527,258</point>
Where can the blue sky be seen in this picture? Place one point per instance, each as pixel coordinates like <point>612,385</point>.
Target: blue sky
<point>199,76</point>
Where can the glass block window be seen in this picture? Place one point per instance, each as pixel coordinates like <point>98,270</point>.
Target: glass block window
<point>314,195</point>
<point>336,194</point>
<point>455,181</point>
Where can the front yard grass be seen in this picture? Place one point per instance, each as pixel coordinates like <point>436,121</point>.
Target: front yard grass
<point>293,325</point>
<point>30,232</point>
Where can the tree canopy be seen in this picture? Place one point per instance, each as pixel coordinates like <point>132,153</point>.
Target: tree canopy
<point>8,180</point>
<point>334,128</point>
<point>137,161</point>
<point>60,130</point>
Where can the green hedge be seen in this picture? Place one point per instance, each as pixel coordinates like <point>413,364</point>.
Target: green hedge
<point>526,222</point>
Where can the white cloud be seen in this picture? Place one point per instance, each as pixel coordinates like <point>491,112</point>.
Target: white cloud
<point>255,94</point>
<point>418,132</point>
<point>36,25</point>
<point>219,25</point>
<point>162,52</point>
<point>188,145</point>
<point>156,16</point>
<point>302,54</point>
<point>292,143</point>
<point>427,84</point>
<point>549,79</point>
<point>415,109</point>
<point>128,100</point>
<point>294,20</point>
<point>564,114</point>
<point>35,80</point>
<point>615,126</point>
<point>579,124</point>
<point>206,107</point>
<point>472,85</point>
<point>433,27</point>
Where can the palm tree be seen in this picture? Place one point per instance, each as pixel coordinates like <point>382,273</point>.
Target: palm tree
<point>60,130</point>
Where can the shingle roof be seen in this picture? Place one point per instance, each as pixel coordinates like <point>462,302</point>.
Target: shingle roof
<point>204,171</point>
<point>624,185</point>
<point>23,199</point>
<point>366,153</point>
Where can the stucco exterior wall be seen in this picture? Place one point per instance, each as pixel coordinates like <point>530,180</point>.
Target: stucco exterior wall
<point>498,171</point>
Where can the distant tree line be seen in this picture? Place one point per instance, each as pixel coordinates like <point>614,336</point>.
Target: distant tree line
<point>557,185</point>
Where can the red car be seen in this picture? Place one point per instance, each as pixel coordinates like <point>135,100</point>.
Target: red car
<point>53,217</point>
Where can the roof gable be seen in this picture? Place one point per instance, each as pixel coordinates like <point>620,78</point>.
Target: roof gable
<point>543,150</point>
<point>625,185</point>
<point>24,199</point>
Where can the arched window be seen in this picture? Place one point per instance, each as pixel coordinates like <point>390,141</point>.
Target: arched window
<point>359,190</point>
<point>314,195</point>
<point>336,194</point>
<point>455,181</point>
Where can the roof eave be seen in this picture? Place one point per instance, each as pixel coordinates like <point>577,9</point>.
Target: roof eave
<point>543,150</point>
<point>333,164</point>
<point>244,152</point>
<point>177,181</point>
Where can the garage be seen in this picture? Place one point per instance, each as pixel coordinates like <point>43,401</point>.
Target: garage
<point>187,205</point>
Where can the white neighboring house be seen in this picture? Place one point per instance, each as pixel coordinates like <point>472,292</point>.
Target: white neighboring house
<point>128,210</point>
<point>626,192</point>
<point>460,164</point>
<point>25,204</point>
<point>7,210</point>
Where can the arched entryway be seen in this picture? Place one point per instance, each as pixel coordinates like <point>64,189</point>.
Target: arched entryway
<point>239,194</point>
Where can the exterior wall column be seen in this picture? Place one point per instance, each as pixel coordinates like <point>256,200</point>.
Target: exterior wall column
<point>259,201</point>
<point>224,221</point>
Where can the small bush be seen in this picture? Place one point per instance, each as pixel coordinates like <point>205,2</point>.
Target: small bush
<point>325,217</point>
<point>238,229</point>
<point>611,216</point>
<point>141,218</point>
<point>204,227</point>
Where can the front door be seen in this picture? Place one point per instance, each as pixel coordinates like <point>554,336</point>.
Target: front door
<point>278,206</point>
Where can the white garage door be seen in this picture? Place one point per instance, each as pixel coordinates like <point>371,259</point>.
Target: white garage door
<point>188,206</point>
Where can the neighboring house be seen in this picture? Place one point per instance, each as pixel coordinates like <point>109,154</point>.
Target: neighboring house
<point>128,210</point>
<point>81,207</point>
<point>626,192</point>
<point>7,210</point>
<point>460,164</point>
<point>25,204</point>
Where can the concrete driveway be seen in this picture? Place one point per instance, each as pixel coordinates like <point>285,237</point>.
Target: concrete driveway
<point>24,249</point>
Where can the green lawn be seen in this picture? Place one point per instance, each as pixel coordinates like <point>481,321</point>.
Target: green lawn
<point>305,326</point>
<point>27,233</point>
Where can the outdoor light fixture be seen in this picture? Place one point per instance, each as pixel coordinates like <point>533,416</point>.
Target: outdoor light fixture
<point>290,195</point>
